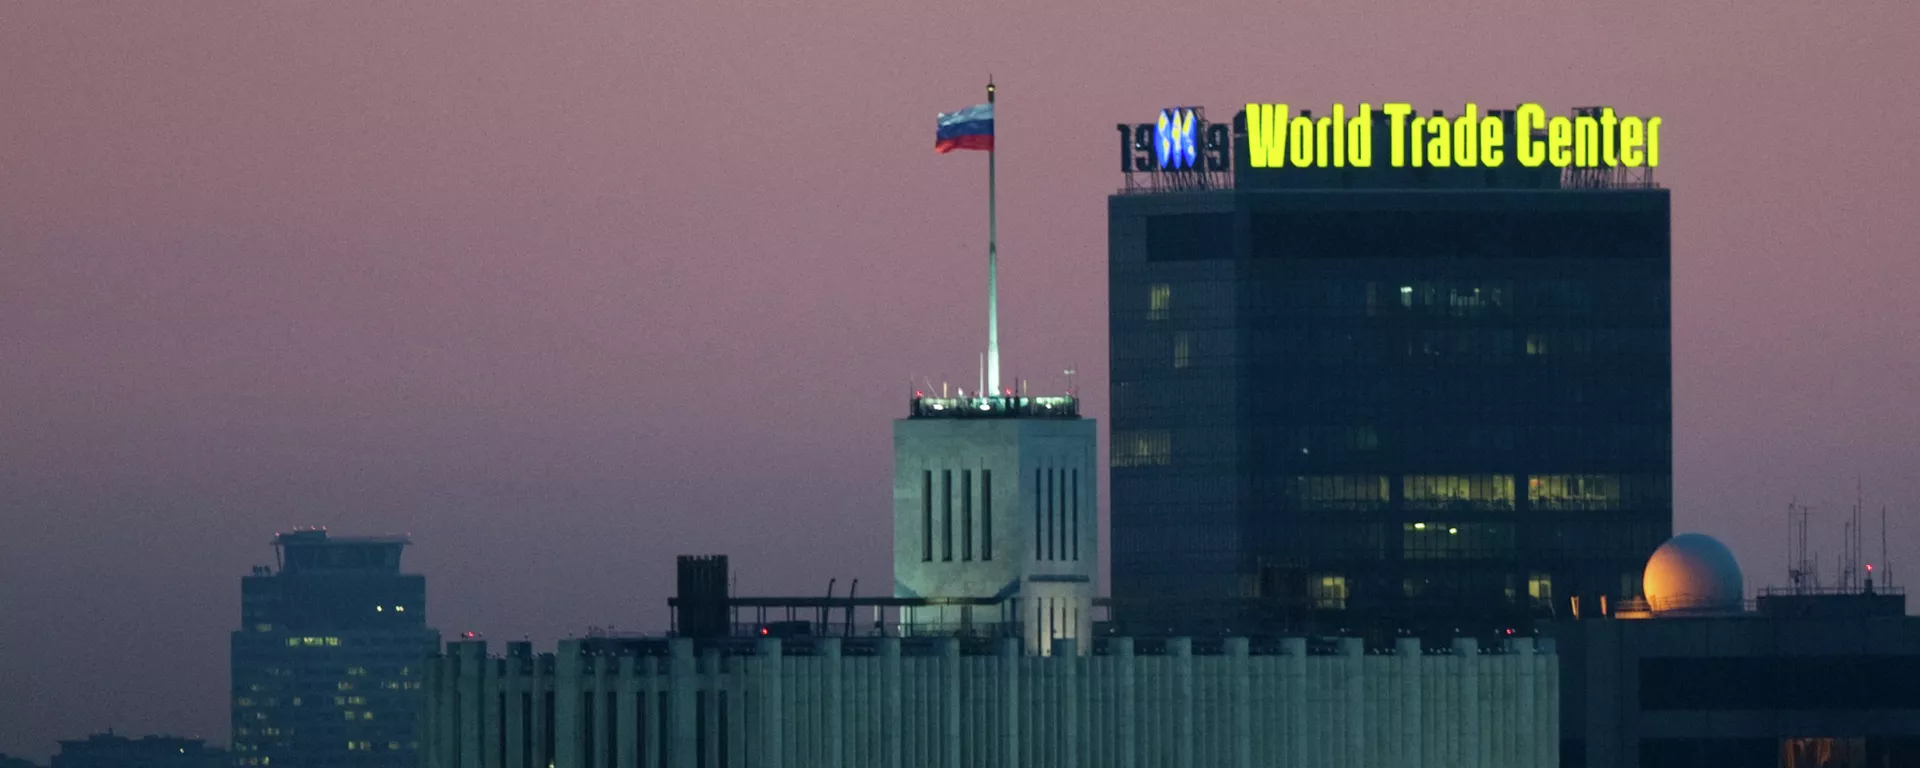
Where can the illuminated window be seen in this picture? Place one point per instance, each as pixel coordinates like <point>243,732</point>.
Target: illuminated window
<point>293,642</point>
<point>391,745</point>
<point>347,714</point>
<point>296,701</point>
<point>1329,591</point>
<point>1574,492</point>
<point>1540,589</point>
<point>1143,448</point>
<point>1442,492</point>
<point>344,685</point>
<point>400,608</point>
<point>263,627</point>
<point>1159,297</point>
<point>379,608</point>
<point>243,702</point>
<point>367,715</point>
<point>355,671</point>
<point>1181,350</point>
<point>333,641</point>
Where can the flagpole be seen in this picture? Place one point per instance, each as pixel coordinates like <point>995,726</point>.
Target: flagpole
<point>993,261</point>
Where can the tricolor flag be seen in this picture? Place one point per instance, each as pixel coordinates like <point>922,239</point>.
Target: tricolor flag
<point>970,128</point>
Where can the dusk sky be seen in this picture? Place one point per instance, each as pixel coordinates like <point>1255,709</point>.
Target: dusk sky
<point>566,289</point>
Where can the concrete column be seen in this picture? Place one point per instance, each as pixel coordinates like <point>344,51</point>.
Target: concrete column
<point>652,685</point>
<point>1239,703</point>
<point>514,685</point>
<point>1466,651</point>
<point>949,687</point>
<point>490,728</point>
<point>712,684</point>
<point>473,705</point>
<point>737,688</point>
<point>681,711</point>
<point>836,749</point>
<point>626,739</point>
<point>1009,704</point>
<point>889,701</point>
<point>566,705</point>
<point>597,687</point>
<point>771,751</point>
<point>1353,696</point>
<point>1406,660</point>
<point>540,683</point>
<point>1066,656</point>
<point>1296,693</point>
<point>1180,653</point>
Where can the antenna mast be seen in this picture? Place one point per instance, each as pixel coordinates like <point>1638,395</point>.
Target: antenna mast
<point>993,259</point>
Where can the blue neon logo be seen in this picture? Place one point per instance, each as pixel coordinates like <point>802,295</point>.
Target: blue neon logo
<point>1173,139</point>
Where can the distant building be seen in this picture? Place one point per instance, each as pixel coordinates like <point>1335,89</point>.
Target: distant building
<point>327,663</point>
<point>886,702</point>
<point>107,750</point>
<point>997,497</point>
<point>1694,676</point>
<point>1378,399</point>
<point>9,761</point>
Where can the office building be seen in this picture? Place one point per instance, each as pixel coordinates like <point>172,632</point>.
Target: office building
<point>886,702</point>
<point>1695,676</point>
<point>327,663</point>
<point>1383,399</point>
<point>108,750</point>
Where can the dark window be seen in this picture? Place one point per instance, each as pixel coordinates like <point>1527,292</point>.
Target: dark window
<point>1190,237</point>
<point>926,515</point>
<point>1053,518</point>
<point>966,514</point>
<point>986,514</point>
<point>1037,505</point>
<point>946,514</point>
<point>1842,683</point>
<point>1076,515</point>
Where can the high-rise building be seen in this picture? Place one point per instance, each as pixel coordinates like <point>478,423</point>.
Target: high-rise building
<point>327,661</point>
<point>1384,398</point>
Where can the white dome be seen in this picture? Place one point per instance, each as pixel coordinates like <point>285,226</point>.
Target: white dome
<point>1693,572</point>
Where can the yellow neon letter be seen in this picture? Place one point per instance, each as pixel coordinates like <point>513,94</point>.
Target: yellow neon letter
<point>1559,139</point>
<point>1653,142</point>
<point>1398,111</point>
<point>1527,119</point>
<point>1630,138</point>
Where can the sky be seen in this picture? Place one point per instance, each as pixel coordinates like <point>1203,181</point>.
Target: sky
<point>566,289</point>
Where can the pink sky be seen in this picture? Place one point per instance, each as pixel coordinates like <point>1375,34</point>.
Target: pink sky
<point>565,289</point>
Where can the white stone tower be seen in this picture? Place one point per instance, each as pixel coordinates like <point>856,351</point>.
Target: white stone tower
<point>997,497</point>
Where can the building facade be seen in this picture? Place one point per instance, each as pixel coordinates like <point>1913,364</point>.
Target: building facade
<point>328,661</point>
<point>1384,398</point>
<point>997,498</point>
<point>108,750</point>
<point>887,702</point>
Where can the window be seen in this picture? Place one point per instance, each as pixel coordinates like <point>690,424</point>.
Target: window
<point>1477,492</point>
<point>946,514</point>
<point>1141,448</point>
<point>1339,492</point>
<point>1329,591</point>
<point>1574,492</point>
<point>926,515</point>
<point>1159,296</point>
<point>1447,541</point>
<point>1182,347</point>
<point>1038,538</point>
<point>1053,517</point>
<point>1076,515</point>
<point>1540,589</point>
<point>966,514</point>
<point>986,514</point>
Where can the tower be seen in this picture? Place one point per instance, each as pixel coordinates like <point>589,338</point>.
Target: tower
<point>997,497</point>
<point>328,660</point>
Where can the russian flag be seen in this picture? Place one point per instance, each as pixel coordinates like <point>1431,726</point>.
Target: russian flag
<point>970,128</point>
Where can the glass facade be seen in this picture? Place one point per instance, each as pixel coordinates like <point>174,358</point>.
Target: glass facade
<point>1455,405</point>
<point>328,666</point>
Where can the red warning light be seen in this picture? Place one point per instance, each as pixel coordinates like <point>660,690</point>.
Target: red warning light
<point>1869,567</point>
<point>916,393</point>
<point>763,630</point>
